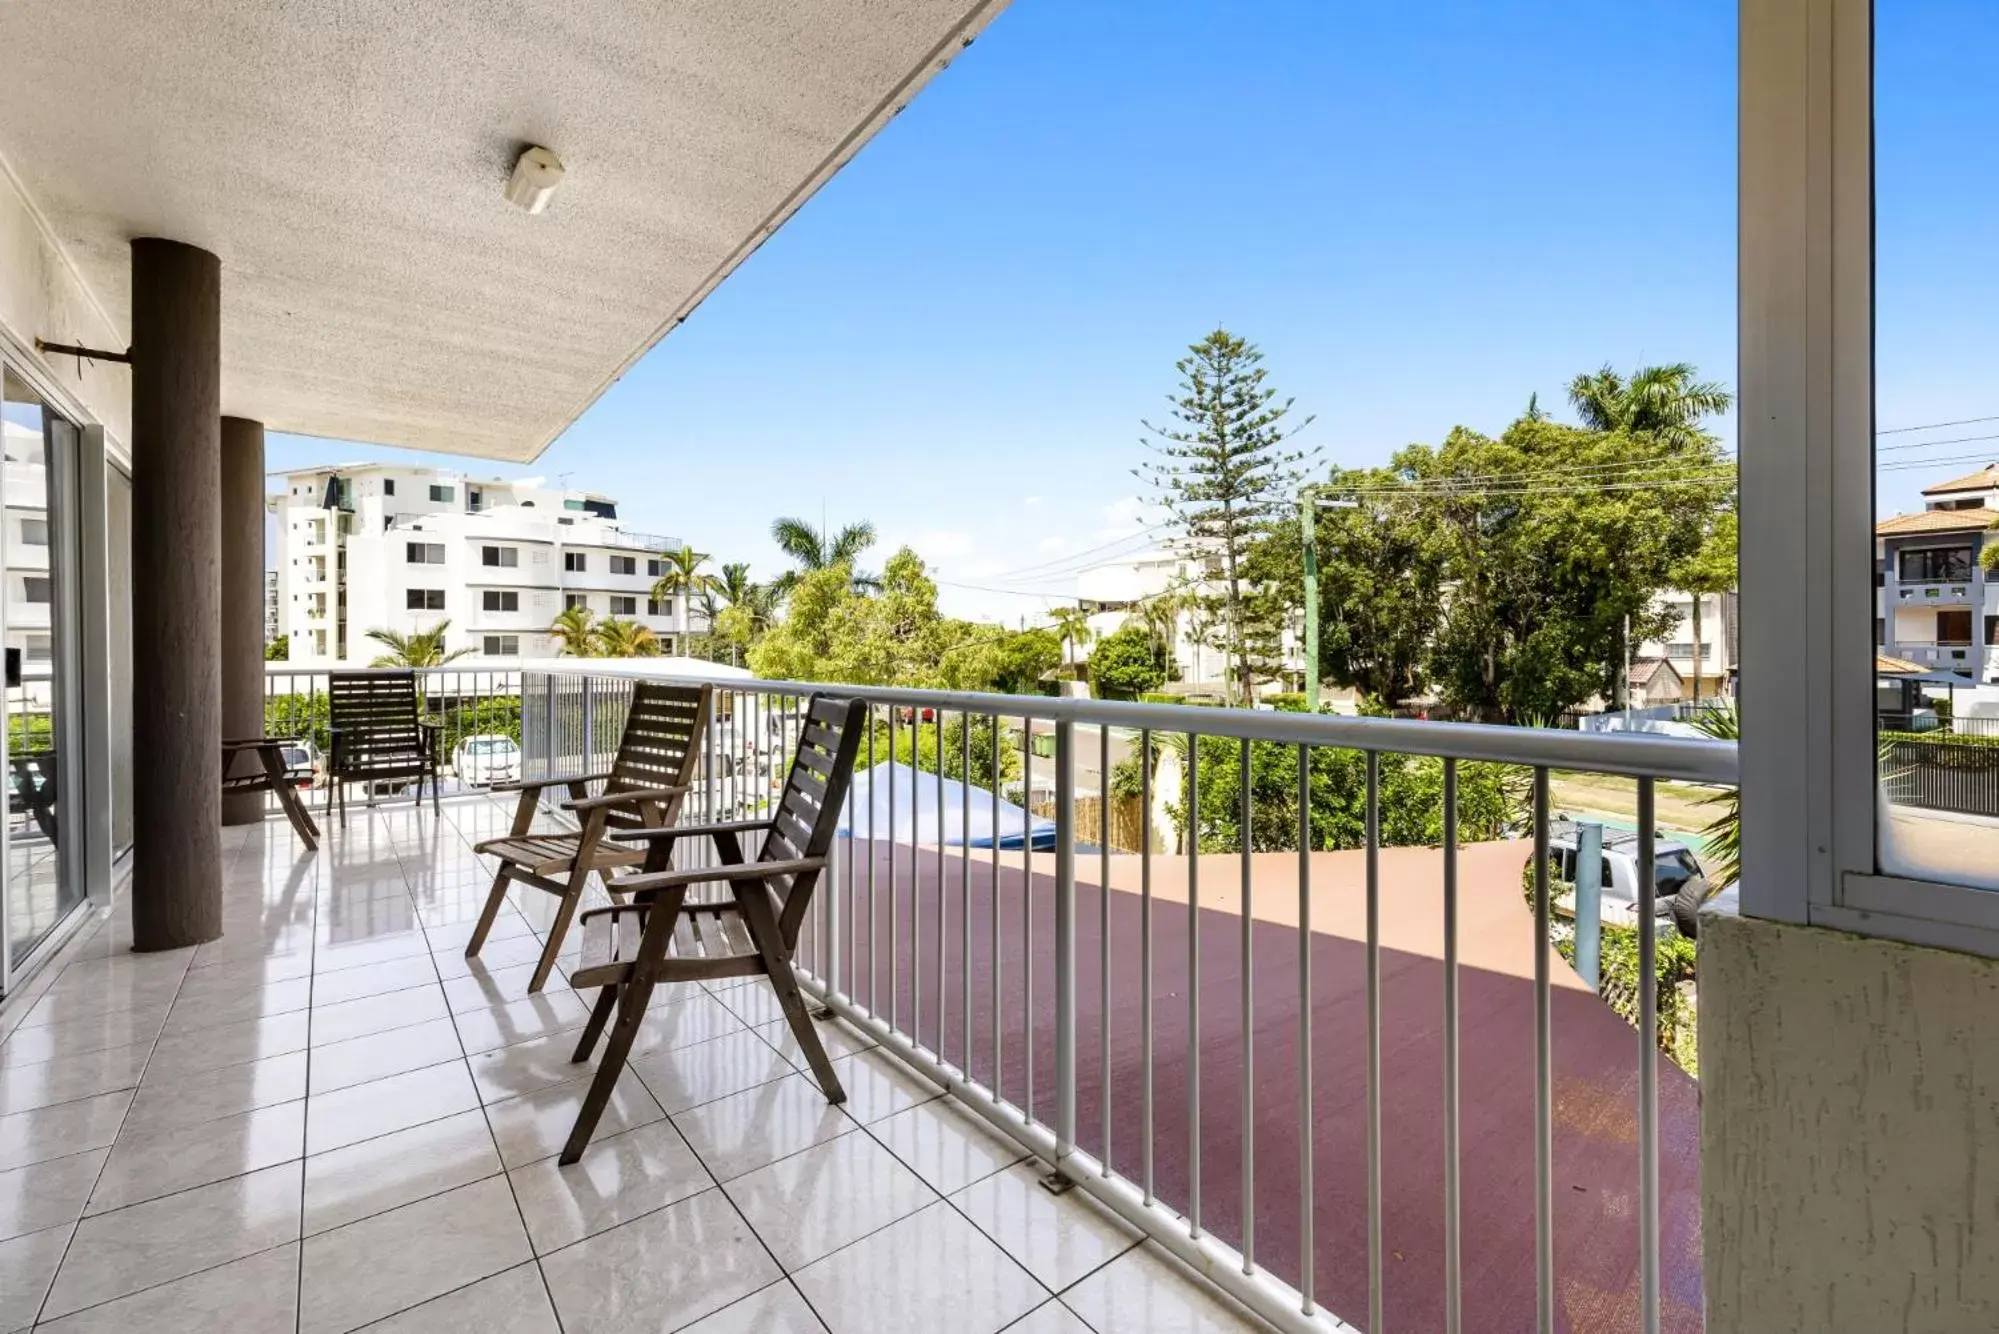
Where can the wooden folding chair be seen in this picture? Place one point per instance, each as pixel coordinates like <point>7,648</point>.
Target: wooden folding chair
<point>378,735</point>
<point>663,936</point>
<point>655,765</point>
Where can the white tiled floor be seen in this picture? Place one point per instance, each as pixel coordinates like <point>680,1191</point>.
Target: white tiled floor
<point>331,1120</point>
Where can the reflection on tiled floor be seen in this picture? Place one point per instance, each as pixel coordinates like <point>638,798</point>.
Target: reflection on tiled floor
<point>329,1120</point>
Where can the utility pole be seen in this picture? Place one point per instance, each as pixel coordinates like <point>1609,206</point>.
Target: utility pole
<point>1308,507</point>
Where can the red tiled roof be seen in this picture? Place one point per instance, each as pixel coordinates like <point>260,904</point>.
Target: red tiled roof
<point>1985,479</point>
<point>1937,521</point>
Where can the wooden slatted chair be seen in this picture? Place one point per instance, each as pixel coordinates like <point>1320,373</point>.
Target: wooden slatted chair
<point>664,936</point>
<point>654,768</point>
<point>378,735</point>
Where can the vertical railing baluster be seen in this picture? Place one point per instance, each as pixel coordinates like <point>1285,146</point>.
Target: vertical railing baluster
<point>1193,836</point>
<point>1544,1077</point>
<point>874,950</point>
<point>1375,1323</point>
<point>1453,1297</point>
<point>942,916</point>
<point>1145,956</point>
<point>1065,941</point>
<point>1027,910</point>
<point>1248,1185</point>
<point>853,908</point>
<point>915,880</point>
<point>1104,939</point>
<point>894,895</point>
<point>999,751</point>
<point>965,893</point>
<point>1306,1123</point>
<point>1648,1061</point>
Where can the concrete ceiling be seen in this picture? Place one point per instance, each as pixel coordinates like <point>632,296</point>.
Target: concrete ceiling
<point>345,160</point>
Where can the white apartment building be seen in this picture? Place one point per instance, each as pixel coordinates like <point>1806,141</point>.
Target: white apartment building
<point>1112,591</point>
<point>381,546</point>
<point>1717,660</point>
<point>26,538</point>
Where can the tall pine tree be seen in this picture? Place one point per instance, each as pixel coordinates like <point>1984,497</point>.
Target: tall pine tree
<point>1225,475</point>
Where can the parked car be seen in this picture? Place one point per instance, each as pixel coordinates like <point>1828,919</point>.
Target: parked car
<point>1673,865</point>
<point>302,764</point>
<point>488,759</point>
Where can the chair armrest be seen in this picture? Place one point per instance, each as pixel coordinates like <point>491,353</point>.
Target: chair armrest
<point>559,780</point>
<point>631,796</point>
<point>253,742</point>
<point>691,830</point>
<point>590,913</point>
<point>658,880</point>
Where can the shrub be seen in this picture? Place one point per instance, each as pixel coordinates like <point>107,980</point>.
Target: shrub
<point>1127,663</point>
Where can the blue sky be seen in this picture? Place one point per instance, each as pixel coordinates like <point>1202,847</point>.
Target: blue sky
<point>1422,214</point>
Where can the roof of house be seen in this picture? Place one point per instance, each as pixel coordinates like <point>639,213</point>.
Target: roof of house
<point>1985,479</point>
<point>1937,521</point>
<point>1645,669</point>
<point>1885,665</point>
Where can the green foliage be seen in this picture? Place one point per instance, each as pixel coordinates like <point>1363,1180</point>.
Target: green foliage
<point>625,639</point>
<point>1664,402</point>
<point>835,632</point>
<point>490,715</point>
<point>1724,832</point>
<point>917,745</point>
<point>682,575</point>
<point>424,648</point>
<point>279,649</point>
<point>1224,475</point>
<point>1491,797</point>
<point>814,552</point>
<point>574,632</point>
<point>1005,662</point>
<point>1127,663</point>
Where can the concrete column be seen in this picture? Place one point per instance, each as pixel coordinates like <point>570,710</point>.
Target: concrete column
<point>176,594</point>
<point>242,598</point>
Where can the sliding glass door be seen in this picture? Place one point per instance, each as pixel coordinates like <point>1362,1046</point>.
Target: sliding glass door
<point>38,563</point>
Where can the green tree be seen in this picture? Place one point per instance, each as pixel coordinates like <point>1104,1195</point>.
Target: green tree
<point>1073,624</point>
<point>1127,663</point>
<point>1662,401</point>
<point>1709,570</point>
<point>424,648</point>
<point>625,639</point>
<point>1224,475</point>
<point>574,633</point>
<point>279,649</point>
<point>814,551</point>
<point>1006,662</point>
<point>917,746</point>
<point>682,578</point>
<point>833,632</point>
<point>1544,560</point>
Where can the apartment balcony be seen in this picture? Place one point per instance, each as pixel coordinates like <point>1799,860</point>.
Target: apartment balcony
<point>1951,593</point>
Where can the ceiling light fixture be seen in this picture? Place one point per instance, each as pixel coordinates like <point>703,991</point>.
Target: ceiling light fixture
<point>536,174</point>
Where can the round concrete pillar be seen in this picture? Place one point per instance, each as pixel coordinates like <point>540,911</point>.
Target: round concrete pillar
<point>176,595</point>
<point>242,599</point>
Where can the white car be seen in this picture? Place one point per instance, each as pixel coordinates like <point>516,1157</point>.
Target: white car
<point>485,760</point>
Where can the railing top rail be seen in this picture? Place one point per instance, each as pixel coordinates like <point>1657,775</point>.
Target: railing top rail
<point>1631,754</point>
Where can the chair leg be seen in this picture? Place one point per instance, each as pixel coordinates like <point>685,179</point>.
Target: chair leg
<point>433,791</point>
<point>762,925</point>
<point>559,928</point>
<point>600,1014</point>
<point>489,915</point>
<point>631,1013</point>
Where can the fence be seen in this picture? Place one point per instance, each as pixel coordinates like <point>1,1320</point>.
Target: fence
<point>1257,1053</point>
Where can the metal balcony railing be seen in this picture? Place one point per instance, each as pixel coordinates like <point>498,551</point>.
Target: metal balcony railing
<point>1191,1039</point>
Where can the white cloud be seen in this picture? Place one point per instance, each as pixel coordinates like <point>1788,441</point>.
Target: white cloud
<point>1051,544</point>
<point>1031,501</point>
<point>1123,518</point>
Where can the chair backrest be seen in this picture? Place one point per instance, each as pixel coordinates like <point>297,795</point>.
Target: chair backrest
<point>373,713</point>
<point>808,811</point>
<point>661,746</point>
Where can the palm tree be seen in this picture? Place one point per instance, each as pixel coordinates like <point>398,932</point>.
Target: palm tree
<point>1664,401</point>
<point>626,639</point>
<point>1073,624</point>
<point>682,578</point>
<point>812,550</point>
<point>424,648</point>
<point>573,633</point>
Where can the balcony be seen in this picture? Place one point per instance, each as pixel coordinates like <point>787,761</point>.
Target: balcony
<point>1954,593</point>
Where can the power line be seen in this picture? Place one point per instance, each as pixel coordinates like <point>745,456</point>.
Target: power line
<point>1936,426</point>
<point>1062,563</point>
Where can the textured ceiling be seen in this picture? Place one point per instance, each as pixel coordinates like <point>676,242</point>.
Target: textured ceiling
<point>346,159</point>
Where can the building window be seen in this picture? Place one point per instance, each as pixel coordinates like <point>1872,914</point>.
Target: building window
<point>576,562</point>
<point>624,565</point>
<point>505,558</point>
<point>475,499</point>
<point>503,646</point>
<point>388,486</point>
<point>654,607</point>
<point>445,494</point>
<point>1682,650</point>
<point>499,600</point>
<point>38,648</point>
<point>1935,565</point>
<point>35,588</point>
<point>572,504</point>
<point>424,553</point>
<point>1881,631</point>
<point>624,606</point>
<point>423,599</point>
<point>35,532</point>
<point>1991,630</point>
<point>655,568</point>
<point>1954,627</point>
<point>575,601</point>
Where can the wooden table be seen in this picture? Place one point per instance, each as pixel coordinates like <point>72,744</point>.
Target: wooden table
<point>272,776</point>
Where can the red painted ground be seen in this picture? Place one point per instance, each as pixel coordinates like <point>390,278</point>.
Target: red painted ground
<point>1596,1068</point>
